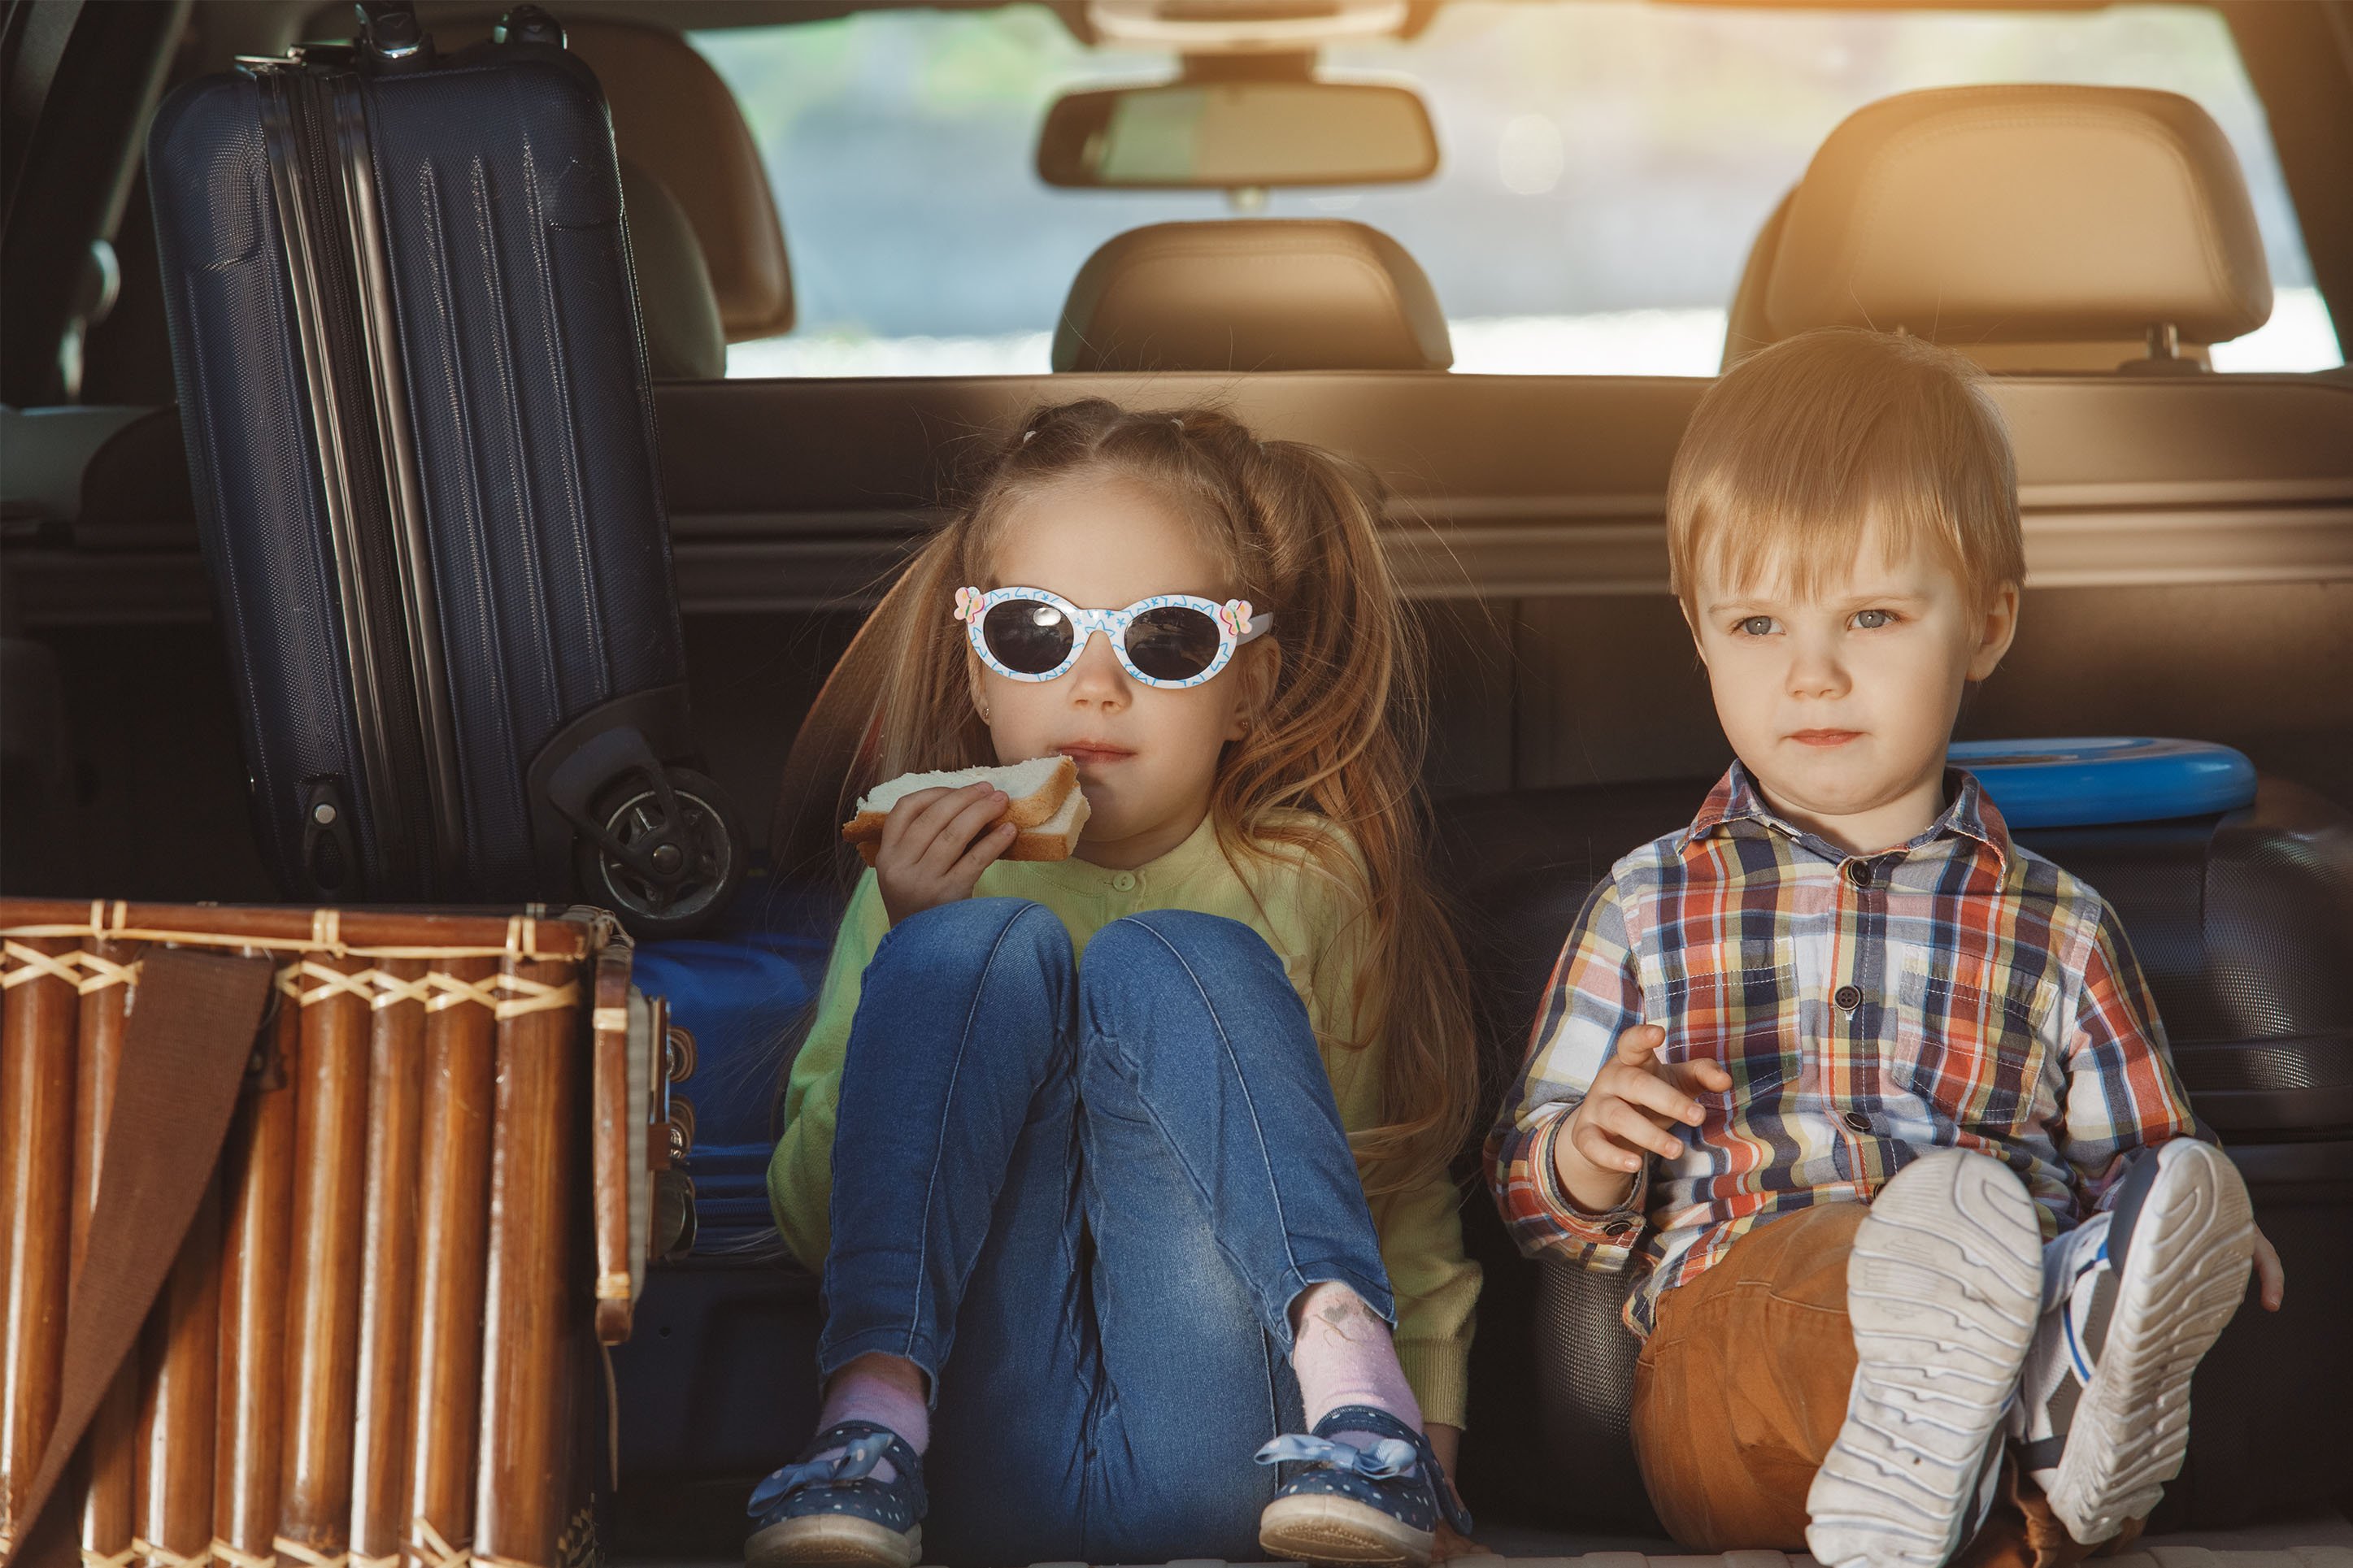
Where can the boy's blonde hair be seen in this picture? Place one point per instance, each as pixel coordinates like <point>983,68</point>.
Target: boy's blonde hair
<point>1806,451</point>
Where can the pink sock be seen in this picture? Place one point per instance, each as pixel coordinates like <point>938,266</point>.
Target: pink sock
<point>1343,1355</point>
<point>887,1390</point>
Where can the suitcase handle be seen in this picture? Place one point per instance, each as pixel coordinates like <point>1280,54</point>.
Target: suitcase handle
<point>391,37</point>
<point>528,25</point>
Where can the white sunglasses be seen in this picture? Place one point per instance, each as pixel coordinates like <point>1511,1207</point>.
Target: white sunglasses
<point>1170,640</point>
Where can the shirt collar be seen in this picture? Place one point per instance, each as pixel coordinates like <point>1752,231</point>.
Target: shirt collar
<point>1163,871</point>
<point>1735,799</point>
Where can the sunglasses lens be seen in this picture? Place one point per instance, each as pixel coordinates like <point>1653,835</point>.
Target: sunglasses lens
<point>1026,635</point>
<point>1172,642</point>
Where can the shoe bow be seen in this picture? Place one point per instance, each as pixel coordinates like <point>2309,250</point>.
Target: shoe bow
<point>854,1463</point>
<point>1385,1460</point>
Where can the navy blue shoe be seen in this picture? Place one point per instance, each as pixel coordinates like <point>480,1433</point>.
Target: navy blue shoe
<point>836,1512</point>
<point>1343,1504</point>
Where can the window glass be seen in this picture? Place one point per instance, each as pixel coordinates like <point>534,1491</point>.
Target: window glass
<point>1604,168</point>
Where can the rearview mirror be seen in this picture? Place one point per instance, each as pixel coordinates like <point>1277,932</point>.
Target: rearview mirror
<point>1233,134</point>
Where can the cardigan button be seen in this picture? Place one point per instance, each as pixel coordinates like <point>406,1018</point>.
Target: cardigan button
<point>1124,881</point>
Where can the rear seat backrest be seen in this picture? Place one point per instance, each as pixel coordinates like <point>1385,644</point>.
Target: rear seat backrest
<point>675,117</point>
<point>2031,227</point>
<point>684,340</point>
<point>1252,294</point>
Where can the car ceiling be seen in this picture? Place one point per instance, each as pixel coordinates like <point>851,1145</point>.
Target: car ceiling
<point>695,16</point>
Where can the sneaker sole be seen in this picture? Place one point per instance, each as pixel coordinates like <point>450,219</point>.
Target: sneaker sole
<point>1313,1527</point>
<point>1942,1291</point>
<point>832,1540</point>
<point>2185,1276</point>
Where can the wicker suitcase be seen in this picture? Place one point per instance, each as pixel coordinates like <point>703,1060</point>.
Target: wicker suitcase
<point>446,1170</point>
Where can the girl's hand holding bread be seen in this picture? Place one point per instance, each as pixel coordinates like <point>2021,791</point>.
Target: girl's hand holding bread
<point>935,844</point>
<point>1625,1118</point>
<point>930,835</point>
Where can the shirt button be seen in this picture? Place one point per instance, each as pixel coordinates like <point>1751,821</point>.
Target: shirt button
<point>1847,998</point>
<point>1618,1227</point>
<point>1124,881</point>
<point>1859,873</point>
<point>1858,1121</point>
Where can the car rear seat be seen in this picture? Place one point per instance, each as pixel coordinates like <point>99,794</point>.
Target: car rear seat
<point>684,339</point>
<point>703,231</point>
<point>675,117</point>
<point>1251,294</point>
<point>2031,227</point>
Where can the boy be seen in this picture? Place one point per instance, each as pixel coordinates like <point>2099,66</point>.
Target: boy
<point>1936,1184</point>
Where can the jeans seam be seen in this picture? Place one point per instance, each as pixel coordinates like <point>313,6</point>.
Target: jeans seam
<point>956,1077</point>
<point>1258,1127</point>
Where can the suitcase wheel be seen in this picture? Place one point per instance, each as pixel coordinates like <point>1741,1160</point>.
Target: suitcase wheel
<point>682,871</point>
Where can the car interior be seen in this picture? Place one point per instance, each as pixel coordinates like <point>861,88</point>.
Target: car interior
<point>2189,539</point>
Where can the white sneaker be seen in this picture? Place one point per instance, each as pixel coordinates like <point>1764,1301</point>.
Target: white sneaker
<point>2104,1417</point>
<point>1943,1289</point>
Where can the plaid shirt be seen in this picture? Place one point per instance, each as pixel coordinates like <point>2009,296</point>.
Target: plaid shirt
<point>1960,992</point>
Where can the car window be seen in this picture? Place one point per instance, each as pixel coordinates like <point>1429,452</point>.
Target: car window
<point>1604,169</point>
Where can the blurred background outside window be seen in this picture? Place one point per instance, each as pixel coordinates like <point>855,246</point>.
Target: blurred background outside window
<point>1605,167</point>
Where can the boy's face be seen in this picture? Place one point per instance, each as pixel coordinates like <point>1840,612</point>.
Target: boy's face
<point>1840,704</point>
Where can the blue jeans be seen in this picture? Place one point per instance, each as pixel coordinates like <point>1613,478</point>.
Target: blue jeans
<point>1082,1198</point>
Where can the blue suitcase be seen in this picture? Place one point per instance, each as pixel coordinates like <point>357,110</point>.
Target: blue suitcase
<point>413,381</point>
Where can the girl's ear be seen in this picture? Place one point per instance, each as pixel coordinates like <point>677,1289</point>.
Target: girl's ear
<point>1256,671</point>
<point>975,687</point>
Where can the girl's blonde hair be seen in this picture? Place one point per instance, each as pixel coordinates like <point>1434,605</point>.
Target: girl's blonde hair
<point>1337,730</point>
<point>1806,451</point>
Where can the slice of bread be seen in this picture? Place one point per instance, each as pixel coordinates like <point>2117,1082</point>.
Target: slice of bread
<point>1041,791</point>
<point>1057,837</point>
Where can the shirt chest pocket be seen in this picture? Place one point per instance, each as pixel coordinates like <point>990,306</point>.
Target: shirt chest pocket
<point>1741,1016</point>
<point>1967,1041</point>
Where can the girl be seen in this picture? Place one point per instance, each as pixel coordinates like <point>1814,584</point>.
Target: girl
<point>1128,1171</point>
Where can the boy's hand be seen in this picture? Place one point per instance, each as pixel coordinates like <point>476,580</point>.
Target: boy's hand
<point>937,843</point>
<point>1625,1117</point>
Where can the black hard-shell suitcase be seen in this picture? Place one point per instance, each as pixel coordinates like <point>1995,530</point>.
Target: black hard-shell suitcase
<point>413,381</point>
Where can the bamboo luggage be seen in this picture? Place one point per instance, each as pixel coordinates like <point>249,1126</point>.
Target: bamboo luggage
<point>443,1161</point>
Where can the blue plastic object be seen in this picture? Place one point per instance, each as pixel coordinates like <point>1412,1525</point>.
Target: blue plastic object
<point>742,991</point>
<point>2090,781</point>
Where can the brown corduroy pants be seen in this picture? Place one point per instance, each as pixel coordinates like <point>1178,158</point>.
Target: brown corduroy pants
<point>1742,1387</point>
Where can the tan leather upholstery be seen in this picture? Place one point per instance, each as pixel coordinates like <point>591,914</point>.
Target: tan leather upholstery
<point>2029,227</point>
<point>673,115</point>
<point>683,338</point>
<point>1252,294</point>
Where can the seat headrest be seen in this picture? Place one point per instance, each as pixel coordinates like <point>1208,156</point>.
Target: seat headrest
<point>675,117</point>
<point>683,339</point>
<point>1995,217</point>
<point>1247,294</point>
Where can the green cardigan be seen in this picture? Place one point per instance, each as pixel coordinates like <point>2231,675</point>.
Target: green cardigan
<point>1302,914</point>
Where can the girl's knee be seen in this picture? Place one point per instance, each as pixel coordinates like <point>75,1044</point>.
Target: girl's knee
<point>998,965</point>
<point>1143,964</point>
<point>959,945</point>
<point>1179,941</point>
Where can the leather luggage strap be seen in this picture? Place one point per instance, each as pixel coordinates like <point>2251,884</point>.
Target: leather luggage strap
<point>185,1049</point>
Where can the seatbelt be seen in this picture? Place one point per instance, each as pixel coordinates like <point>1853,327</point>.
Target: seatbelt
<point>185,1049</point>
